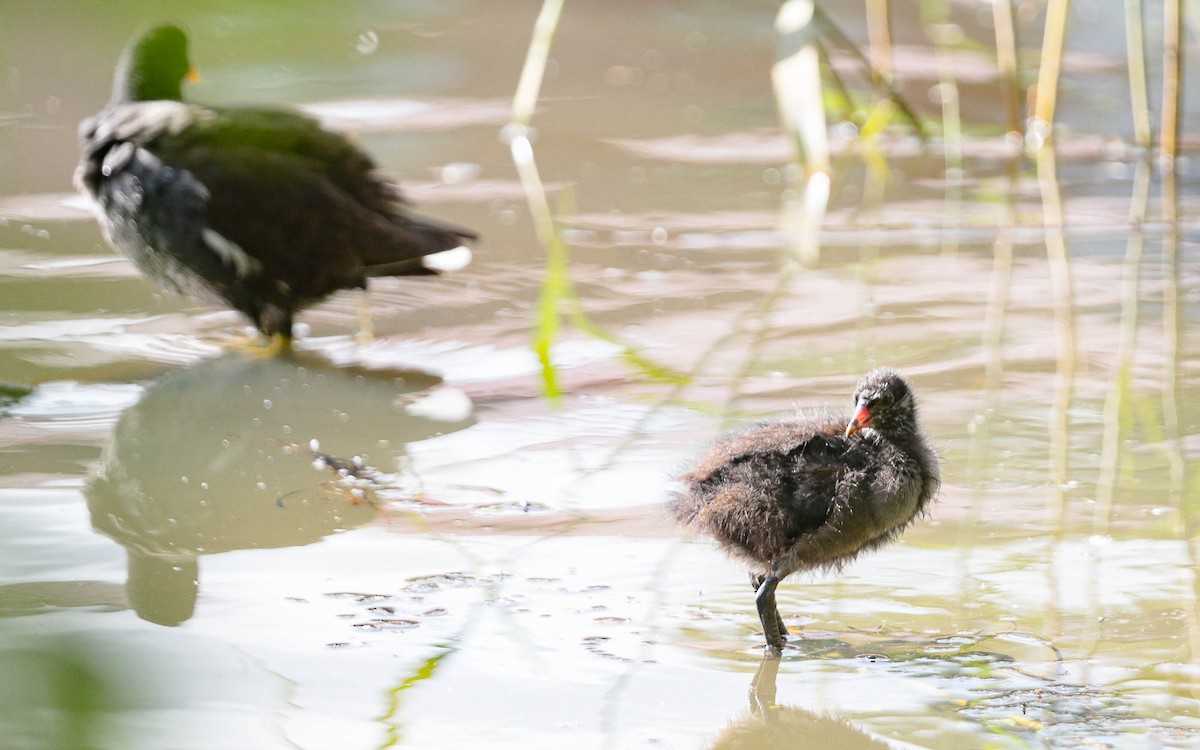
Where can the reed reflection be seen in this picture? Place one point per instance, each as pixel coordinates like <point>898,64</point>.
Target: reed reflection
<point>217,457</point>
<point>1120,392</point>
<point>1062,298</point>
<point>1173,394</point>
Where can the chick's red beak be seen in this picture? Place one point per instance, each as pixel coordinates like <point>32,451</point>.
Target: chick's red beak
<point>862,418</point>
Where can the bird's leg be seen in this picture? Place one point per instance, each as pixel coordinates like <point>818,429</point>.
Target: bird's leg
<point>366,326</point>
<point>768,614</point>
<point>756,580</point>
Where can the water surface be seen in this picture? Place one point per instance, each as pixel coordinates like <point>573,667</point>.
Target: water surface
<point>181,565</point>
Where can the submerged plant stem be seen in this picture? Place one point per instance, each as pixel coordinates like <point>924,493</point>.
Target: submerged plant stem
<point>1062,295</point>
<point>556,283</point>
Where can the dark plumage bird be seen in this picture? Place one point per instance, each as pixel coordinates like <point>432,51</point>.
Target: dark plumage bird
<point>813,491</point>
<point>259,208</point>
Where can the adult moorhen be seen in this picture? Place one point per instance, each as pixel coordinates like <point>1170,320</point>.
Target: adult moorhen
<point>259,208</point>
<point>811,491</point>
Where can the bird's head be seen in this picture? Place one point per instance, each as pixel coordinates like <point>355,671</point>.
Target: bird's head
<point>153,67</point>
<point>881,400</point>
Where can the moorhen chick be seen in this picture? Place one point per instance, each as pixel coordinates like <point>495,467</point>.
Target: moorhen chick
<point>813,491</point>
<point>259,208</point>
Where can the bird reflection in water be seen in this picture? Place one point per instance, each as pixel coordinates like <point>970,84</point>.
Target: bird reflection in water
<point>200,465</point>
<point>769,725</point>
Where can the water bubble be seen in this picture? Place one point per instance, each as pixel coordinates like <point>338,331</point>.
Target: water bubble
<point>846,130</point>
<point>947,34</point>
<point>622,75</point>
<point>658,236</point>
<point>261,486</point>
<point>367,42</point>
<point>459,172</point>
<point>267,404</point>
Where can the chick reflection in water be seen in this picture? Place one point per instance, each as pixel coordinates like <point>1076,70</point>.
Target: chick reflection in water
<point>768,725</point>
<point>210,460</point>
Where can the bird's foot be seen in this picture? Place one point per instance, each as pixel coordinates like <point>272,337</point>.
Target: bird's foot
<point>265,347</point>
<point>278,345</point>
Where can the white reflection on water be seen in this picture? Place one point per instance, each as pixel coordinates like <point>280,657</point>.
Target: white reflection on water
<point>69,405</point>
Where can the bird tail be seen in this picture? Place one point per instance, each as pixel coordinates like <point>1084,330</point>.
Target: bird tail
<point>454,259</point>
<point>440,249</point>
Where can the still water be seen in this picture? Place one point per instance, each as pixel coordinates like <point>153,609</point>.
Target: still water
<point>182,567</point>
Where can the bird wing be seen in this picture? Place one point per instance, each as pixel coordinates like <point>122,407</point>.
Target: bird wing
<point>287,132</point>
<point>788,473</point>
<point>814,483</point>
<point>780,437</point>
<point>334,156</point>
<point>260,131</point>
<point>284,211</point>
<point>273,187</point>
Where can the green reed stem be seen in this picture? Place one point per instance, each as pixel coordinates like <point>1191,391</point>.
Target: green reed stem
<point>882,83</point>
<point>1135,55</point>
